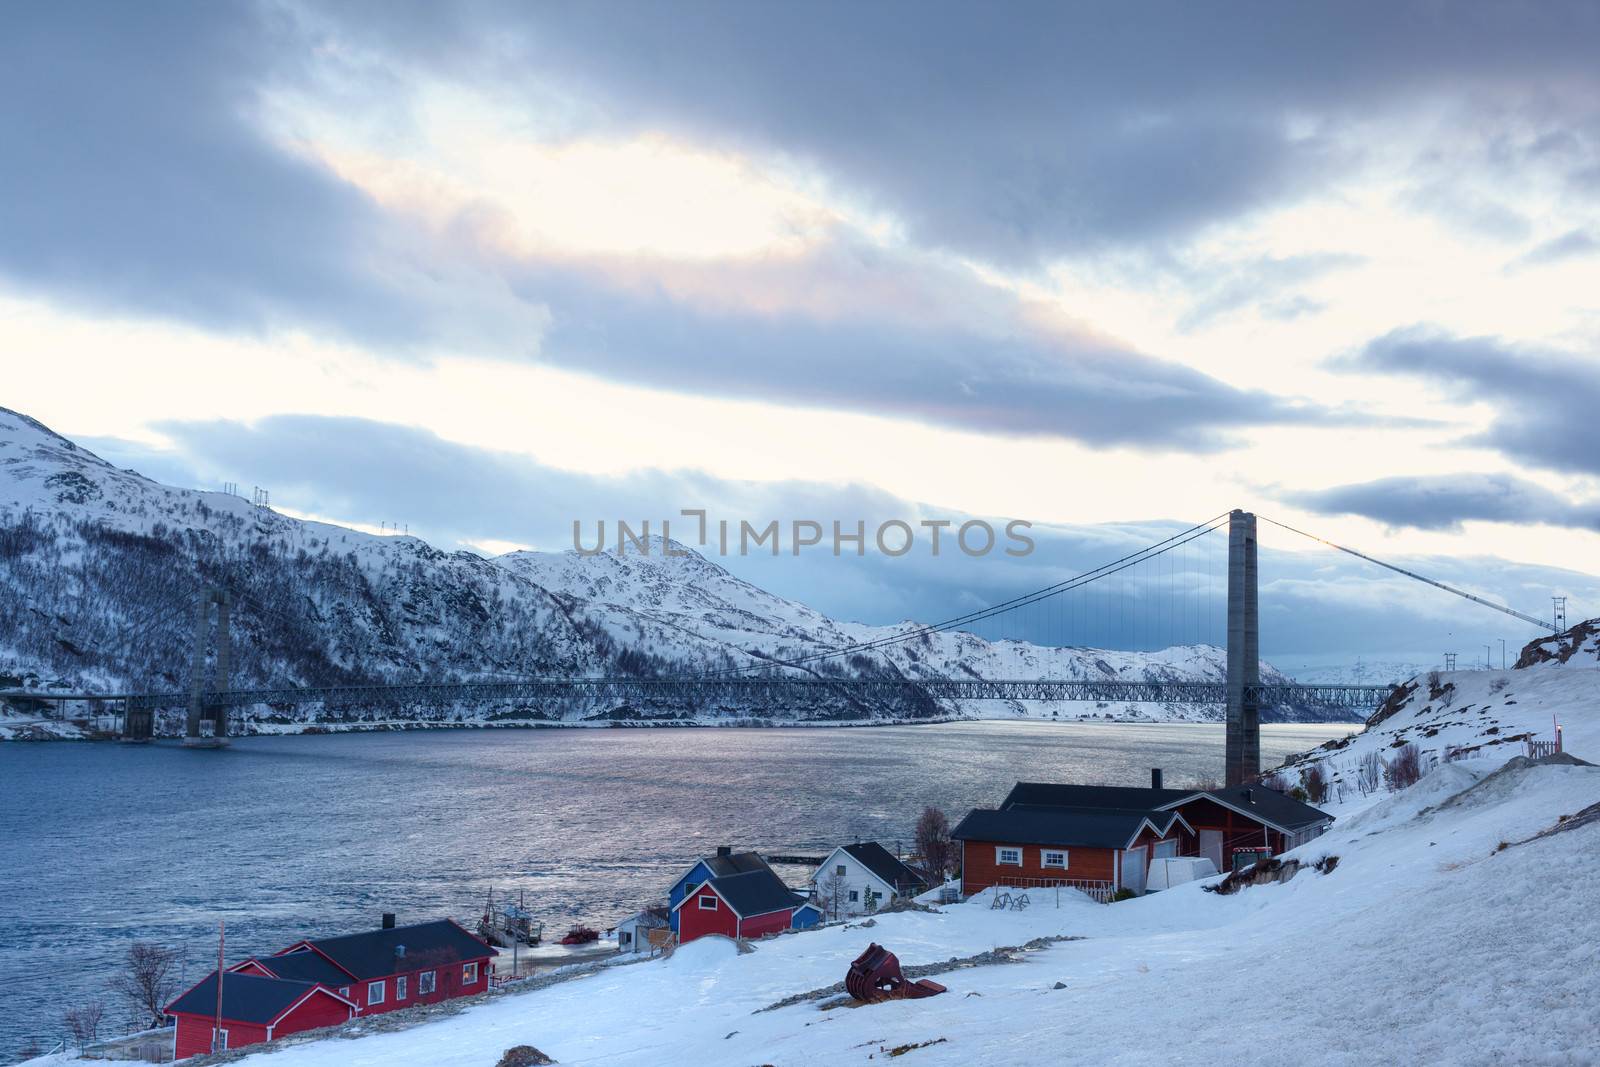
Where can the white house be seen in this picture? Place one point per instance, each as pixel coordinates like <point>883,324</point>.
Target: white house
<point>862,877</point>
<point>643,932</point>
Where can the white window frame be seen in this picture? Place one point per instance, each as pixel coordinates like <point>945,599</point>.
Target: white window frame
<point>855,896</point>
<point>344,991</point>
<point>216,1044</point>
<point>708,901</point>
<point>1045,854</point>
<point>382,990</point>
<point>1001,851</point>
<point>469,973</point>
<point>427,982</point>
<point>399,988</point>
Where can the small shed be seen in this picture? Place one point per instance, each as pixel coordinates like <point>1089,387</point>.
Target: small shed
<point>741,905</point>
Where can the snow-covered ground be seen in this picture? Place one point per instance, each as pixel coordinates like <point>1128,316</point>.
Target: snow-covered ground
<point>1443,935</point>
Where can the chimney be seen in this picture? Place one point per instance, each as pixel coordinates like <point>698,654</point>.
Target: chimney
<point>724,851</point>
<point>388,920</point>
<point>1249,796</point>
<point>1155,777</point>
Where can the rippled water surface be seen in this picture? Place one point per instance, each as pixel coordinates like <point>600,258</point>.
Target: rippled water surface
<point>294,836</point>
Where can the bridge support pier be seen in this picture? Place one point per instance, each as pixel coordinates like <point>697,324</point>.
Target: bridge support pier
<point>1243,758</point>
<point>198,707</point>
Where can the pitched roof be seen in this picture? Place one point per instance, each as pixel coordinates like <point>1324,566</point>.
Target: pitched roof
<point>753,893</point>
<point>246,998</point>
<point>303,965</point>
<point>373,954</point>
<point>886,866</point>
<point>1081,827</point>
<point>1267,805</point>
<point>1050,795</point>
<point>736,863</point>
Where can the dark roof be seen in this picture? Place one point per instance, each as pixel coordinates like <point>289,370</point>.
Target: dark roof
<point>737,863</point>
<point>372,954</point>
<point>1128,798</point>
<point>1268,805</point>
<point>883,863</point>
<point>246,998</point>
<point>754,893</point>
<point>304,966</point>
<point>1081,827</point>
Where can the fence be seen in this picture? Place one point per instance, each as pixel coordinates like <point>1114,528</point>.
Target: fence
<point>1100,892</point>
<point>1540,749</point>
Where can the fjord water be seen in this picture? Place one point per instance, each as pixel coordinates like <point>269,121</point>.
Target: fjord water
<point>286,837</point>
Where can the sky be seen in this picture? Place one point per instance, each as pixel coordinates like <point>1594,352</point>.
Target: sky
<point>484,270</point>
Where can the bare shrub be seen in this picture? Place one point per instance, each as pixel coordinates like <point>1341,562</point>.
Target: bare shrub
<point>83,1022</point>
<point>1314,780</point>
<point>1207,782</point>
<point>933,842</point>
<point>146,981</point>
<point>1369,773</point>
<point>830,894</point>
<point>1276,782</point>
<point>1403,768</point>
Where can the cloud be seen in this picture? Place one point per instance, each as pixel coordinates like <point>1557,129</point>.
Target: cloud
<point>137,179</point>
<point>1055,130</point>
<point>1574,244</point>
<point>1267,283</point>
<point>1544,402</point>
<point>1444,502</point>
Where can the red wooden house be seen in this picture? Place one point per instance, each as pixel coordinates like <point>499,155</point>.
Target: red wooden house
<point>254,1009</point>
<point>329,981</point>
<point>738,905</point>
<point>1102,838</point>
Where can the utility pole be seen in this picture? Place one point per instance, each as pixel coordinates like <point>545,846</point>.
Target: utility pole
<point>216,1031</point>
<point>1485,657</point>
<point>1502,653</point>
<point>1559,611</point>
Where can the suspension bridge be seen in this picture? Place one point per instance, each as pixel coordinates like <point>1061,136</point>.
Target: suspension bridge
<point>815,677</point>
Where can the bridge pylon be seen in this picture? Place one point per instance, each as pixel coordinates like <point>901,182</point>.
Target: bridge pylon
<point>1243,742</point>
<point>199,708</point>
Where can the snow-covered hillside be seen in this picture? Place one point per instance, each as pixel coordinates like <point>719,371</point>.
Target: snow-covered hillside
<point>1475,714</point>
<point>1457,927</point>
<point>100,568</point>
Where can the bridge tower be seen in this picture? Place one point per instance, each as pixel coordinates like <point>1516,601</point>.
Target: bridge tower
<point>199,709</point>
<point>1243,760</point>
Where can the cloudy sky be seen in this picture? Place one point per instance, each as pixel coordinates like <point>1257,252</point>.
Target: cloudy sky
<point>484,269</point>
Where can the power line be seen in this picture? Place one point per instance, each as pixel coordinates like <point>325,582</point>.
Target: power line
<point>1412,574</point>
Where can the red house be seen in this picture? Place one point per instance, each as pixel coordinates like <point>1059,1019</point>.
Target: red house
<point>738,905</point>
<point>1101,839</point>
<point>319,983</point>
<point>254,1009</point>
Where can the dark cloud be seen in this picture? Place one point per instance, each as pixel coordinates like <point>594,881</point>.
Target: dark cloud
<point>1055,129</point>
<point>1544,402</point>
<point>138,177</point>
<point>1444,502</point>
<point>1317,607</point>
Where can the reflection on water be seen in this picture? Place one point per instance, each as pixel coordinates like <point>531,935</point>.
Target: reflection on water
<point>296,836</point>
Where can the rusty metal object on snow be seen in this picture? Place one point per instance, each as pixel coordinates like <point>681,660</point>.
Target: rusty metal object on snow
<point>875,975</point>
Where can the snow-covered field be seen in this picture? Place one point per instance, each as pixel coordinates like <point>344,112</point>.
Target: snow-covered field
<point>1428,943</point>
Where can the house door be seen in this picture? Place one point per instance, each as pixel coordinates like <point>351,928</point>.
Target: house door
<point>1133,870</point>
<point>1211,846</point>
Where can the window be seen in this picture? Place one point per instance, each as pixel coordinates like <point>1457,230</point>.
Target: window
<point>1011,856</point>
<point>624,939</point>
<point>400,988</point>
<point>1054,858</point>
<point>344,991</point>
<point>424,983</point>
<point>375,993</point>
<point>839,870</point>
<point>708,902</point>
<point>854,896</point>
<point>469,973</point>
<point>219,1040</point>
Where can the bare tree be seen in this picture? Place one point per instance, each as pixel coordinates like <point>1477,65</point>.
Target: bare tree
<point>146,981</point>
<point>933,842</point>
<point>1404,768</point>
<point>83,1022</point>
<point>831,891</point>
<point>1315,782</point>
<point>1369,773</point>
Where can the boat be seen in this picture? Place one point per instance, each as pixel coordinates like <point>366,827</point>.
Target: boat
<point>580,935</point>
<point>508,925</point>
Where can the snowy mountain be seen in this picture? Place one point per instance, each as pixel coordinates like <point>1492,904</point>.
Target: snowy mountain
<point>100,568</point>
